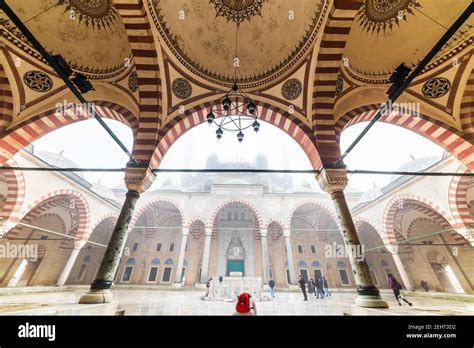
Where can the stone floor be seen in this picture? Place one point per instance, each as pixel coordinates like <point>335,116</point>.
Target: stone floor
<point>188,302</point>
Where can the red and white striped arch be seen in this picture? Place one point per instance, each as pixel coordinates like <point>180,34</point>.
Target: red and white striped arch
<point>267,113</point>
<point>197,220</point>
<point>110,216</point>
<point>275,221</point>
<point>318,204</point>
<point>258,223</point>
<point>414,202</point>
<point>145,56</point>
<point>52,199</point>
<point>457,195</point>
<point>333,41</point>
<point>6,101</point>
<point>150,204</point>
<point>34,128</point>
<point>451,139</point>
<point>467,108</point>
<point>10,208</point>
<point>39,212</point>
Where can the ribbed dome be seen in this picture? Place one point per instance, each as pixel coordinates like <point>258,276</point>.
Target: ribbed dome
<point>57,160</point>
<point>416,165</point>
<point>103,191</point>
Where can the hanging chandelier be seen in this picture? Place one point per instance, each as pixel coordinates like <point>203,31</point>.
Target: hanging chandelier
<point>235,111</point>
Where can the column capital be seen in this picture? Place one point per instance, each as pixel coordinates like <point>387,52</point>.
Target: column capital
<point>263,233</point>
<point>208,231</point>
<point>332,180</point>
<point>139,179</point>
<point>286,233</point>
<point>185,231</point>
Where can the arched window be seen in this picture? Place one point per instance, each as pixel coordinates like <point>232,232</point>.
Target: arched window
<point>303,270</point>
<point>153,272</point>
<point>386,267</point>
<point>82,269</point>
<point>236,216</point>
<point>168,268</point>
<point>344,277</point>
<point>242,216</point>
<point>127,273</point>
<point>317,269</point>
<point>287,272</point>
<point>372,273</point>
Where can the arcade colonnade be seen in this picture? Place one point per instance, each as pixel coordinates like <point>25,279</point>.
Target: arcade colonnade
<point>331,95</point>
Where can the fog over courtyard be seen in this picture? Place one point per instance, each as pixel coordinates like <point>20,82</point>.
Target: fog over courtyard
<point>386,147</point>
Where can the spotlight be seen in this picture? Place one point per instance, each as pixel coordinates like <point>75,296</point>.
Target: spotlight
<point>251,107</point>
<point>240,137</point>
<point>226,103</point>
<point>219,133</point>
<point>256,126</point>
<point>210,117</point>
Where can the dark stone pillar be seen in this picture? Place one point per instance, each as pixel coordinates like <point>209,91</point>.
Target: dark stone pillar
<point>137,181</point>
<point>333,181</point>
<point>99,292</point>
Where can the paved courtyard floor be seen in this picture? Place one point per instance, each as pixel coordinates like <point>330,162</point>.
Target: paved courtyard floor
<point>188,302</point>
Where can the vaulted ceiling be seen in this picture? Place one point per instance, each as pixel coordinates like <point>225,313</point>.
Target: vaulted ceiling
<point>323,64</point>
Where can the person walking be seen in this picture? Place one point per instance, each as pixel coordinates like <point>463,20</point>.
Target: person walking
<point>208,285</point>
<point>325,287</point>
<point>310,286</point>
<point>302,283</point>
<point>313,283</point>
<point>319,287</point>
<point>396,287</point>
<point>271,284</point>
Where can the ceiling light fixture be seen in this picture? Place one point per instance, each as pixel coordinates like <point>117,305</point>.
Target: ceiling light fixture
<point>234,111</point>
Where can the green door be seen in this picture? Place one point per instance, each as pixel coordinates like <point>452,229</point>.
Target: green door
<point>235,266</point>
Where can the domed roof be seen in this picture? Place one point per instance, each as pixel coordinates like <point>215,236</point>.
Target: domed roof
<point>57,160</point>
<point>370,195</point>
<point>416,165</point>
<point>169,186</point>
<point>103,191</point>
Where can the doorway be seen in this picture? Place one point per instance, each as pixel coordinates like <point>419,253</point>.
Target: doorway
<point>235,266</point>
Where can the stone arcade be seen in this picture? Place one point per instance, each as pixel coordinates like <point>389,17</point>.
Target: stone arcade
<point>314,68</point>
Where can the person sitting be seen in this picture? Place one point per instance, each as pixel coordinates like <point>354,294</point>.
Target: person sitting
<point>244,305</point>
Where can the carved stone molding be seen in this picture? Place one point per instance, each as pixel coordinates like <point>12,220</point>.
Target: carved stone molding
<point>139,179</point>
<point>332,180</point>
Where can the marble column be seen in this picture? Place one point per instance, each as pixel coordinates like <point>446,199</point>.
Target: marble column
<point>334,181</point>
<point>289,255</point>
<point>401,268</point>
<point>265,260</point>
<point>78,244</point>
<point>205,256</point>
<point>182,251</point>
<point>137,181</point>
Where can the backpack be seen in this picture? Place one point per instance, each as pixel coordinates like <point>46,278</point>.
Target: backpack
<point>243,303</point>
